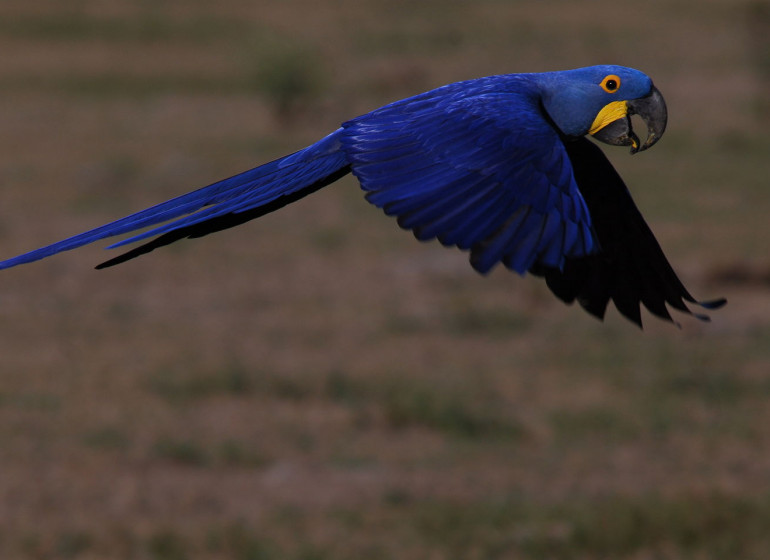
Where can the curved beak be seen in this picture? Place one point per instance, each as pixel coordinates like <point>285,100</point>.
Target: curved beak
<point>651,108</point>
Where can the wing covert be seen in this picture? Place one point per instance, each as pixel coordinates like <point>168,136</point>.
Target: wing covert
<point>484,172</point>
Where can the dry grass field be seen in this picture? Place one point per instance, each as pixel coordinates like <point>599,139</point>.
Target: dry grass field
<point>316,384</point>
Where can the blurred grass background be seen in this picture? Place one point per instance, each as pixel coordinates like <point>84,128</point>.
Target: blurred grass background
<point>317,385</point>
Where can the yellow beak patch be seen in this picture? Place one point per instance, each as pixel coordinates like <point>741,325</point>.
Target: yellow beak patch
<point>609,113</point>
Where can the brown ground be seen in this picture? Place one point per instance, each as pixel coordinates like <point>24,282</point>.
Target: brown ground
<point>316,384</point>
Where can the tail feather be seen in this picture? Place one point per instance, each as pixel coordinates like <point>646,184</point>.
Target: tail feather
<point>231,201</point>
<point>202,227</point>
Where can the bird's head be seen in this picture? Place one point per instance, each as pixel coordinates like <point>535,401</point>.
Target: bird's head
<point>599,100</point>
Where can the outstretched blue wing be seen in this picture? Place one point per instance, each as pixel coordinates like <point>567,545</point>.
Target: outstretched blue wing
<point>475,165</point>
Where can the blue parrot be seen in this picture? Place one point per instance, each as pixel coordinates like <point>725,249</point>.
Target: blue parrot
<point>498,166</point>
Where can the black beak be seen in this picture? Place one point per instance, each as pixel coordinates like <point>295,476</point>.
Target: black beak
<point>652,109</point>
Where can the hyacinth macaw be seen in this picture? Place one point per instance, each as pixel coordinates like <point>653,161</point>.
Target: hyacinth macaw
<point>498,166</point>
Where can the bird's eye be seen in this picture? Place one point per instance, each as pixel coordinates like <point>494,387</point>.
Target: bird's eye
<point>611,83</point>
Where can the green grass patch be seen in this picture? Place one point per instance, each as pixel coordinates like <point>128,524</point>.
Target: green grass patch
<point>167,545</point>
<point>233,453</point>
<point>42,402</point>
<point>228,453</point>
<point>452,414</point>
<point>461,318</point>
<point>288,75</point>
<point>713,386</point>
<point>594,422</point>
<point>710,526</point>
<point>65,544</point>
<point>469,319</point>
<point>714,526</point>
<point>239,542</point>
<point>450,407</point>
<point>182,386</point>
<point>73,544</point>
<point>107,438</point>
<point>181,452</point>
<point>330,239</point>
<point>185,385</point>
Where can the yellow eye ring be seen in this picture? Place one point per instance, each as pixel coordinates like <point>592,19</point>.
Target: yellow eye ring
<point>611,83</point>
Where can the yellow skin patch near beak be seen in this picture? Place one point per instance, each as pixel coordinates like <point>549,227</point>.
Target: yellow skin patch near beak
<point>609,113</point>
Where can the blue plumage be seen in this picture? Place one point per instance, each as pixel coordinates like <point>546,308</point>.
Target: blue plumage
<point>481,140</point>
<point>485,165</point>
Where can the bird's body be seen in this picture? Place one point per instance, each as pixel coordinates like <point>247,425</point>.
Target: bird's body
<point>497,166</point>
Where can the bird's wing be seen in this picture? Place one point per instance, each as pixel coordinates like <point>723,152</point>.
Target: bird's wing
<point>218,206</point>
<point>486,173</point>
<point>630,268</point>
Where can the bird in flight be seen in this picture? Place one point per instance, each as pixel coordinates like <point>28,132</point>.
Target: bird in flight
<point>498,166</point>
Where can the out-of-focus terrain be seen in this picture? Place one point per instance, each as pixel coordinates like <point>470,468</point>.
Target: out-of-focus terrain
<point>318,385</point>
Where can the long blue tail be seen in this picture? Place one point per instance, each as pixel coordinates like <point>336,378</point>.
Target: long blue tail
<point>218,206</point>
